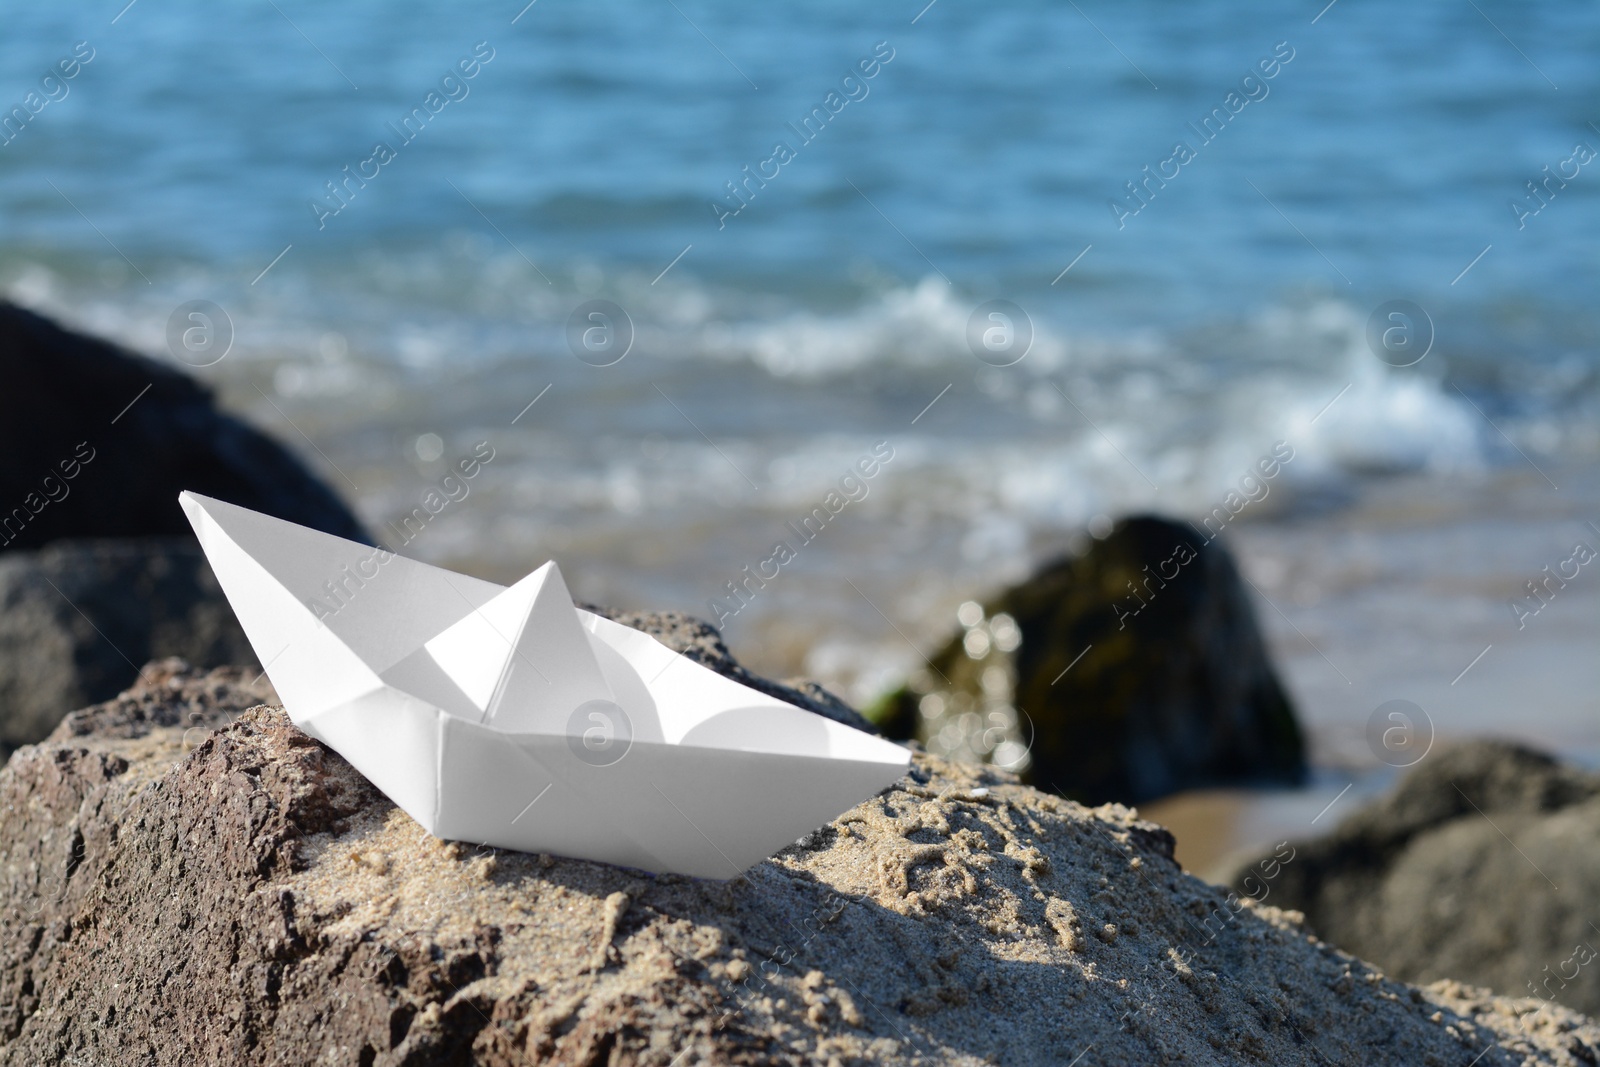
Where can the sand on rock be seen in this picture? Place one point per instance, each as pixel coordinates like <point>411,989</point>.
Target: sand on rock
<point>188,882</point>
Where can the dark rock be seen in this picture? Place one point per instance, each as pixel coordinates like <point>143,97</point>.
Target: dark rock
<point>77,617</point>
<point>81,463</point>
<point>1483,866</point>
<point>171,693</point>
<point>1133,671</point>
<point>181,883</point>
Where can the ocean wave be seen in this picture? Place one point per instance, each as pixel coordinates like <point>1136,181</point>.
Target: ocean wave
<point>1087,422</point>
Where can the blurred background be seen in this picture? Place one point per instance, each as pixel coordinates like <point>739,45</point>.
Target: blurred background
<point>1172,346</point>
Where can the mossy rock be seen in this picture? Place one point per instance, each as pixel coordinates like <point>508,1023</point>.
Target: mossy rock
<point>1129,672</point>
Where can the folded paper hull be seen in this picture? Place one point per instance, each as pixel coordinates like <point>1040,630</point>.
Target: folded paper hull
<point>667,808</point>
<point>507,717</point>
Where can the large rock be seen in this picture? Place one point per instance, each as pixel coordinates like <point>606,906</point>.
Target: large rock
<point>173,895</point>
<point>1127,673</point>
<point>1483,865</point>
<point>77,618</point>
<point>81,462</point>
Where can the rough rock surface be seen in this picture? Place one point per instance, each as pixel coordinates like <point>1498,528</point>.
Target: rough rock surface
<point>1127,673</point>
<point>98,442</point>
<point>77,617</point>
<point>174,894</point>
<point>1483,865</point>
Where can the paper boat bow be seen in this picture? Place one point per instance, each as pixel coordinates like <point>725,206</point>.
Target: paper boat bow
<point>507,716</point>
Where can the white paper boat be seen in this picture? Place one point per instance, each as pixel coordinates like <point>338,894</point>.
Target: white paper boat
<point>508,717</point>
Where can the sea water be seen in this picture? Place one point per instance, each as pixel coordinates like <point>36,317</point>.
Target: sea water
<point>405,210</point>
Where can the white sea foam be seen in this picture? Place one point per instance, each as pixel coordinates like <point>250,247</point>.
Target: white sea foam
<point>1088,423</point>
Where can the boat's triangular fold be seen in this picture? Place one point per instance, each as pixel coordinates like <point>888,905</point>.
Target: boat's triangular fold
<point>522,658</point>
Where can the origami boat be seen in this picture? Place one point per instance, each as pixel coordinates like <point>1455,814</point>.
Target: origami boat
<point>509,717</point>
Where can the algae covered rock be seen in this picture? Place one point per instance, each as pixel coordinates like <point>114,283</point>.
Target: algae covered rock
<point>1127,673</point>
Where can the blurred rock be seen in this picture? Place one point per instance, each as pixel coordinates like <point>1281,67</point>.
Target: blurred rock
<point>76,617</point>
<point>80,462</point>
<point>181,883</point>
<point>1482,866</point>
<point>1128,673</point>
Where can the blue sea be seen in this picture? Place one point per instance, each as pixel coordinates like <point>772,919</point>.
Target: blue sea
<point>1200,218</point>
